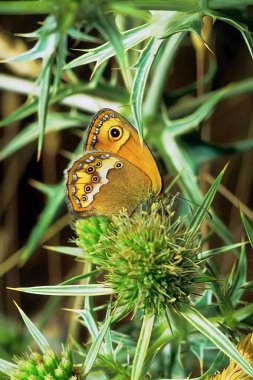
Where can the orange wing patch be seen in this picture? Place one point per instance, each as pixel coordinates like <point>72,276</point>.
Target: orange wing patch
<point>128,145</point>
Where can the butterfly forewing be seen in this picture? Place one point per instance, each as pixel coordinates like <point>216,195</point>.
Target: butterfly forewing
<point>111,132</point>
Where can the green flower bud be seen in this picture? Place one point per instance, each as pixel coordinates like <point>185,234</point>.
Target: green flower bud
<point>148,258</point>
<point>50,360</point>
<point>66,365</point>
<point>49,377</point>
<point>45,367</point>
<point>60,373</point>
<point>89,232</point>
<point>41,369</point>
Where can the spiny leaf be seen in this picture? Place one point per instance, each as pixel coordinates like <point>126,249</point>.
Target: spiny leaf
<point>36,334</point>
<point>56,122</point>
<point>142,70</point>
<point>67,290</point>
<point>108,29</point>
<point>216,251</point>
<point>239,25</point>
<point>72,251</point>
<point>201,212</point>
<point>130,38</point>
<point>238,277</point>
<point>248,228</point>
<point>7,367</point>
<point>55,201</point>
<point>44,88</point>
<point>93,351</point>
<point>215,335</point>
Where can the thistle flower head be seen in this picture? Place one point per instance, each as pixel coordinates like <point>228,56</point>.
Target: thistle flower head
<point>147,258</point>
<point>47,366</point>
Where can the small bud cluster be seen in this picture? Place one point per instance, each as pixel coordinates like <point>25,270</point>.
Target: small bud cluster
<point>48,366</point>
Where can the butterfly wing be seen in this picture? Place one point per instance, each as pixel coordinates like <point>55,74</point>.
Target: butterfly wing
<point>101,183</point>
<point>111,132</point>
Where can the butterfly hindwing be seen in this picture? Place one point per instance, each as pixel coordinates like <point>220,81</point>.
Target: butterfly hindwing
<point>102,183</point>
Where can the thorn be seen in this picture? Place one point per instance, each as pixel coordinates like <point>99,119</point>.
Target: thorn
<point>38,154</point>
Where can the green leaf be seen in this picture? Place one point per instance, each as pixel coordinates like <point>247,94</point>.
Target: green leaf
<point>185,22</point>
<point>71,251</point>
<point>26,7</point>
<point>201,212</point>
<point>89,322</point>
<point>121,338</point>
<point>130,38</point>
<point>56,195</point>
<point>243,313</point>
<point>102,53</point>
<point>178,162</point>
<point>248,228</point>
<point>81,36</point>
<point>67,290</point>
<point>43,100</point>
<point>215,335</point>
<point>56,122</point>
<point>27,109</point>
<point>79,277</point>
<point>213,368</point>
<point>237,278</point>
<point>43,47</point>
<point>186,124</point>
<point>201,151</point>
<point>241,26</point>
<point>7,367</point>
<point>216,251</point>
<point>142,346</point>
<point>55,201</point>
<point>60,62</point>
<point>160,71</point>
<point>168,5</point>
<point>36,334</point>
<point>142,70</point>
<point>95,347</point>
<point>107,27</point>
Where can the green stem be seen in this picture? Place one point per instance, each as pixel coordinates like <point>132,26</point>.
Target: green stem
<point>182,5</point>
<point>26,7</point>
<point>217,4</point>
<point>172,5</point>
<point>142,346</point>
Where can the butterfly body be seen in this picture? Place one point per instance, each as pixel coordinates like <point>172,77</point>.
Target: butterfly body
<point>116,171</point>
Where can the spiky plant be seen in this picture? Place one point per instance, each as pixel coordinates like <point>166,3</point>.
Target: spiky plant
<point>148,259</point>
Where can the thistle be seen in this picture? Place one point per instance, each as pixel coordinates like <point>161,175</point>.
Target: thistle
<point>47,366</point>
<point>148,258</point>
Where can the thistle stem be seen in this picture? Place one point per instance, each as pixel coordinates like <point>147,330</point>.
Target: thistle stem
<point>142,346</point>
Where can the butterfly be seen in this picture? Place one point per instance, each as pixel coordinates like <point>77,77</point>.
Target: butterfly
<point>116,171</point>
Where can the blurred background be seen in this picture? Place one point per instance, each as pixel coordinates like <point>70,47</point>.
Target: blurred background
<point>226,134</point>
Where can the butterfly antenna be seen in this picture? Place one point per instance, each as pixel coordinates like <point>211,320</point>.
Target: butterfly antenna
<point>189,201</point>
